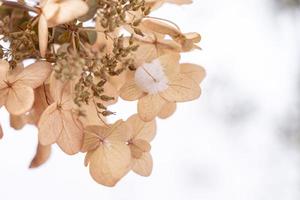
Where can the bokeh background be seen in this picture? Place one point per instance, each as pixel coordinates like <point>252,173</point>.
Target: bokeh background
<point>239,141</point>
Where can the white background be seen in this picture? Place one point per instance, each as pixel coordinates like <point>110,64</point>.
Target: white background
<point>237,142</point>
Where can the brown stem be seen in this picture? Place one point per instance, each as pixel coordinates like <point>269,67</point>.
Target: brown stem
<point>13,4</point>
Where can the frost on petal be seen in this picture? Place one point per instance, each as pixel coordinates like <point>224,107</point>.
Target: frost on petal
<point>149,106</point>
<point>43,35</point>
<point>195,72</point>
<point>41,156</point>
<point>130,91</point>
<point>19,100</point>
<point>181,89</point>
<point>50,125</point>
<point>143,166</point>
<point>70,139</point>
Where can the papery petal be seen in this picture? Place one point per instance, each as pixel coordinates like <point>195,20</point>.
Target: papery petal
<point>140,129</point>
<point>143,166</point>
<point>50,125</point>
<point>170,63</point>
<point>19,100</point>
<point>69,10</point>
<point>41,156</point>
<point>167,110</point>
<point>17,121</point>
<point>138,147</point>
<point>109,163</point>
<point>130,91</point>
<point>1,132</point>
<point>3,96</point>
<point>4,67</point>
<point>43,35</point>
<point>71,137</point>
<point>181,89</point>
<point>195,72</point>
<point>149,106</point>
<point>119,131</point>
<point>50,9</point>
<point>34,75</point>
<point>92,137</point>
<point>161,27</point>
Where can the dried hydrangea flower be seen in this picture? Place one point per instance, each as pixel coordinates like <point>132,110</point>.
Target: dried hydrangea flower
<point>16,87</point>
<point>58,123</point>
<point>141,134</point>
<point>157,83</point>
<point>108,155</point>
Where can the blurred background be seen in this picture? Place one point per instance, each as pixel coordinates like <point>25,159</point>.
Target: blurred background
<point>239,141</point>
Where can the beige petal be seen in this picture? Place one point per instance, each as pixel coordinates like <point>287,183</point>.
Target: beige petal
<point>41,156</point>
<point>34,75</point>
<point>3,96</point>
<point>110,162</point>
<point>181,89</point>
<point>19,100</point>
<point>57,88</point>
<point>42,101</point>
<point>195,72</point>
<point>145,53</point>
<point>50,125</point>
<point>149,106</point>
<point>4,67</point>
<point>130,91</point>
<point>17,121</point>
<point>92,137</point>
<point>161,27</point>
<point>69,10</point>
<point>170,63</point>
<point>119,131</point>
<point>168,109</point>
<point>143,166</point>
<point>43,35</point>
<point>1,132</point>
<point>140,129</point>
<point>50,9</point>
<point>138,147</point>
<point>71,137</point>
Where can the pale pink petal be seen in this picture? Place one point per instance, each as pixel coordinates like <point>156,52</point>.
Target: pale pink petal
<point>71,137</point>
<point>19,100</point>
<point>34,75</point>
<point>143,166</point>
<point>181,89</point>
<point>50,125</point>
<point>149,106</point>
<point>43,35</point>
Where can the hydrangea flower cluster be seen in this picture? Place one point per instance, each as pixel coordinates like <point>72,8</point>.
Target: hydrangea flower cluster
<point>86,54</point>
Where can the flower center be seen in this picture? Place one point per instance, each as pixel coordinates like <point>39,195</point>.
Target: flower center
<point>150,77</point>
